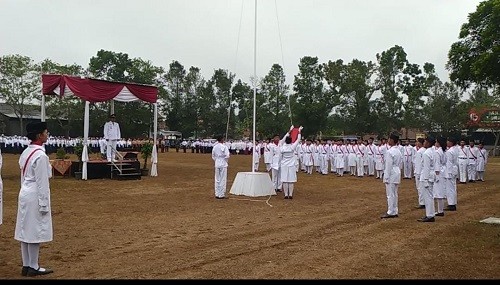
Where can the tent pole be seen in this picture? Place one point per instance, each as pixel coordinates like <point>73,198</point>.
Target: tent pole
<point>154,154</point>
<point>85,156</point>
<point>42,111</point>
<point>112,107</point>
<point>254,85</point>
<point>155,122</point>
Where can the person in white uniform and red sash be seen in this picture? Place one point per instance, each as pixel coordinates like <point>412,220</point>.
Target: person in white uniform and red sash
<point>34,218</point>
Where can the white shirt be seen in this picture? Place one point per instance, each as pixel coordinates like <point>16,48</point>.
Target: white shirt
<point>112,131</point>
<point>220,155</point>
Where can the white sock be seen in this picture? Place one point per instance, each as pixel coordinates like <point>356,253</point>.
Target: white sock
<point>24,254</point>
<point>440,205</point>
<point>285,188</point>
<point>290,189</point>
<point>33,252</point>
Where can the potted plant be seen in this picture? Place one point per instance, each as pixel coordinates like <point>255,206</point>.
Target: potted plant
<point>78,149</point>
<point>61,153</point>
<point>146,151</point>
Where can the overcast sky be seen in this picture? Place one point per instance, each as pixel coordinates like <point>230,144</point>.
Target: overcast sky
<point>212,34</point>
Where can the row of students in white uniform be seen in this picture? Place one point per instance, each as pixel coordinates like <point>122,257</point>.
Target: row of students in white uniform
<point>359,158</point>
<point>437,168</point>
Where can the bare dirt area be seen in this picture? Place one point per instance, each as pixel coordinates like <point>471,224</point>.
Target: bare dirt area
<point>172,227</point>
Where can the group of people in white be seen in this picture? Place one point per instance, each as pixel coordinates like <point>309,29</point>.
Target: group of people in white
<point>283,164</point>
<point>435,164</point>
<point>16,144</point>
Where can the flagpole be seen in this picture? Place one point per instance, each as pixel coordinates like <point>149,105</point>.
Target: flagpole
<point>254,84</point>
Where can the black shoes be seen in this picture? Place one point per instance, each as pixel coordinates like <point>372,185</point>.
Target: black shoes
<point>451,208</point>
<point>387,216</point>
<point>24,271</point>
<point>427,219</point>
<point>420,207</point>
<point>216,197</point>
<point>39,271</point>
<point>286,197</point>
<point>439,214</point>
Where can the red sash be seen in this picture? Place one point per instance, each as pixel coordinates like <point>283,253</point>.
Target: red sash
<point>481,153</point>
<point>362,153</point>
<point>27,160</point>
<point>472,153</point>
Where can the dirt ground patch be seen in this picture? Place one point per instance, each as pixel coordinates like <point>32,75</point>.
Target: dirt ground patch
<point>172,227</point>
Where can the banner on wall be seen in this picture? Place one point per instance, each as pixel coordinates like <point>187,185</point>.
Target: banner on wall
<point>484,118</point>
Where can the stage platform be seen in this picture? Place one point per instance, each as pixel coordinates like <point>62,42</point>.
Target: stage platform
<point>102,169</point>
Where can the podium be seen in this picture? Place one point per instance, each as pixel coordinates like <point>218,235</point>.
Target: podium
<point>253,184</point>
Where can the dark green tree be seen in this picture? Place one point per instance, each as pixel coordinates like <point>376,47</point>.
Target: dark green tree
<point>443,111</point>
<point>109,65</point>
<point>353,87</point>
<point>193,84</point>
<point>243,94</point>
<point>312,105</point>
<point>391,64</point>
<point>475,57</point>
<point>416,85</point>
<point>174,81</point>
<point>224,103</point>
<point>19,84</point>
<point>275,107</point>
<point>141,123</point>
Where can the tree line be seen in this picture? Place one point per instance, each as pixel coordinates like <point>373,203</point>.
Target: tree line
<point>327,98</point>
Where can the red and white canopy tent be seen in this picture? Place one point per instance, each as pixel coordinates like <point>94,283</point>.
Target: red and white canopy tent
<point>95,90</point>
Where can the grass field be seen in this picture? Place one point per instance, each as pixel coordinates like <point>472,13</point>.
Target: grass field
<point>172,227</point>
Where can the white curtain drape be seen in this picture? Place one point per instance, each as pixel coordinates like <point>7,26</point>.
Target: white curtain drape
<point>42,111</point>
<point>124,96</point>
<point>85,153</point>
<point>154,155</point>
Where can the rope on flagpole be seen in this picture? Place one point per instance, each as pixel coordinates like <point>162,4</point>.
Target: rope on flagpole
<point>234,69</point>
<point>283,60</point>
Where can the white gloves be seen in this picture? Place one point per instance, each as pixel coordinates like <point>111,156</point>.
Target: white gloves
<point>300,128</point>
<point>291,128</point>
<point>44,210</point>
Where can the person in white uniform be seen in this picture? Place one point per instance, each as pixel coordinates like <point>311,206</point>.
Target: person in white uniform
<point>463,161</point>
<point>439,187</point>
<point>473,154</point>
<point>307,156</point>
<point>451,174</point>
<point>392,177</point>
<point>220,156</point>
<point>408,153</point>
<point>417,163</point>
<point>427,178</point>
<point>482,159</point>
<point>370,152</point>
<point>256,155</point>
<point>268,157</point>
<point>288,170</point>
<point>112,135</point>
<point>275,148</point>
<point>34,218</point>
